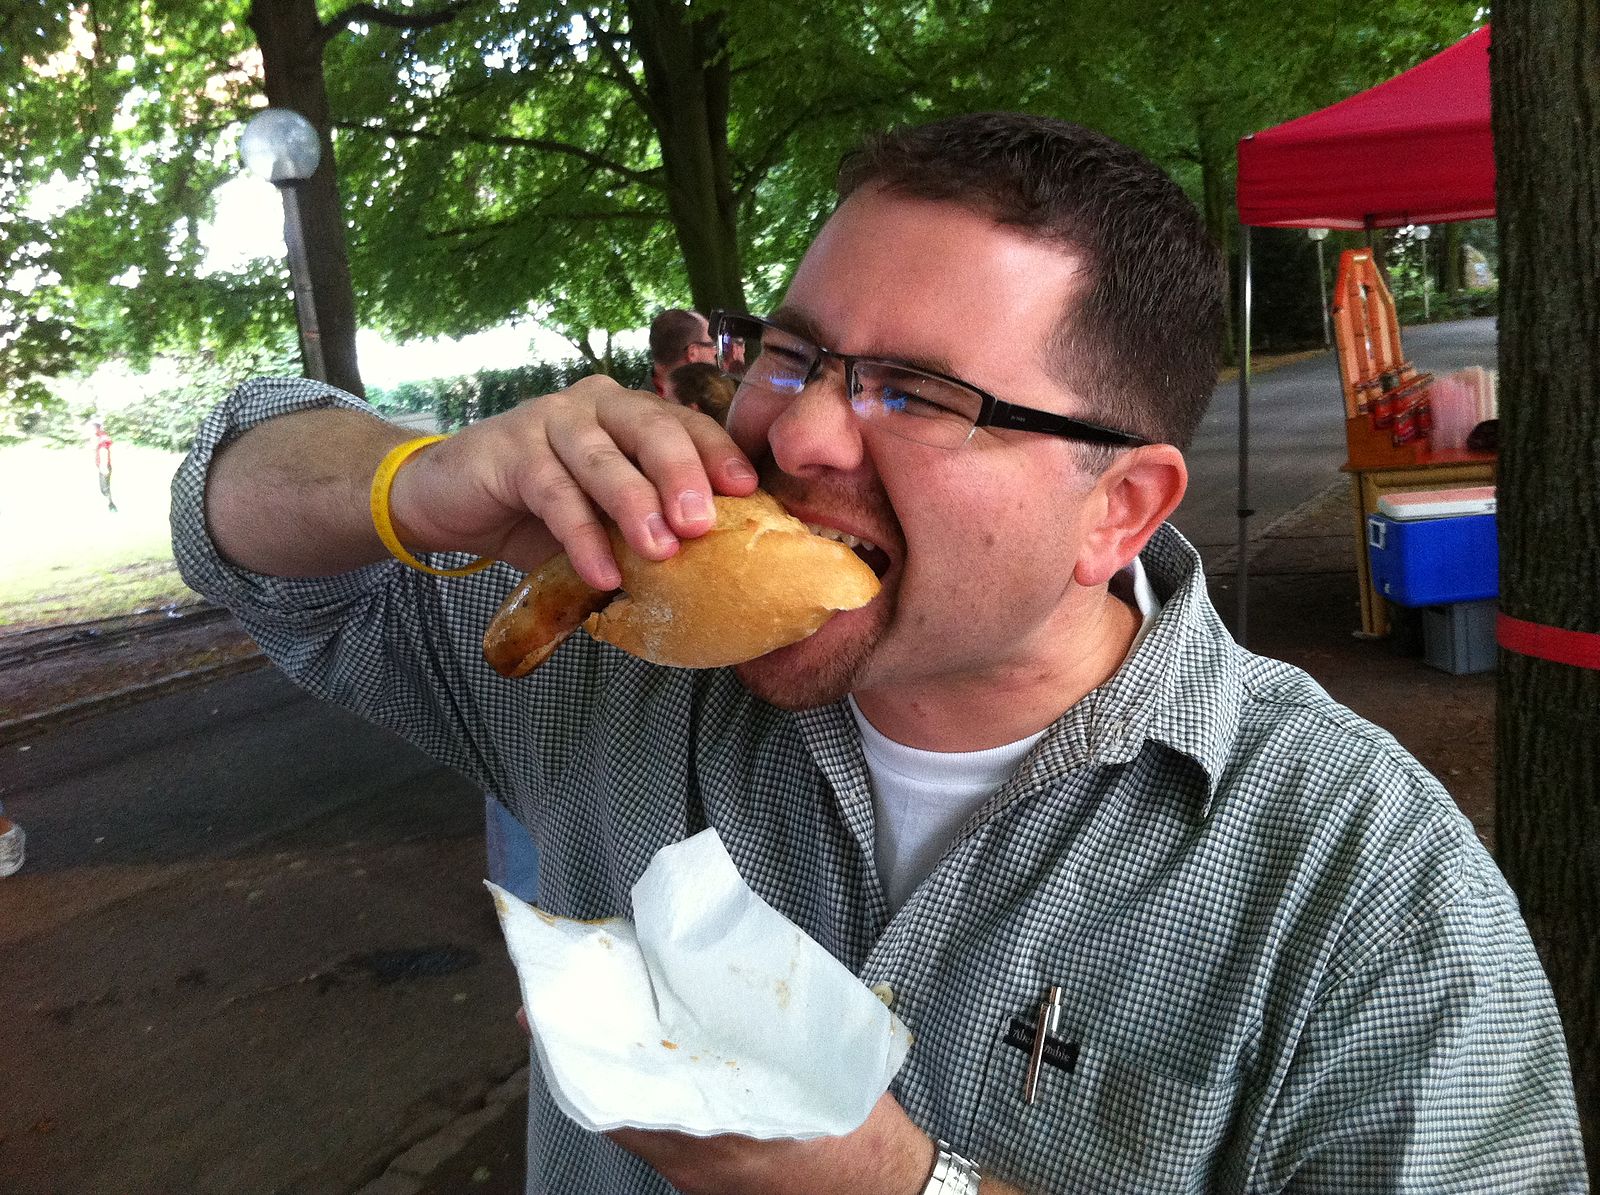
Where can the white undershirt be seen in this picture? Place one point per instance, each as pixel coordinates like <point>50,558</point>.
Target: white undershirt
<point>922,798</point>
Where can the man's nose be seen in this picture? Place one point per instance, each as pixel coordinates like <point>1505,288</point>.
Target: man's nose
<point>818,429</point>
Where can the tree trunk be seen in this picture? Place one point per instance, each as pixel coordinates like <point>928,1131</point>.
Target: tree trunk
<point>1452,267</point>
<point>288,33</point>
<point>686,84</point>
<point>1546,89</point>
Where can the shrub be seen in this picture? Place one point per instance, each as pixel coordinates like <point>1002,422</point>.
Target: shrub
<point>1445,306</point>
<point>169,418</point>
<point>456,402</point>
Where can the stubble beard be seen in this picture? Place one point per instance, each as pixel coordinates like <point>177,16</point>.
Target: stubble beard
<point>820,670</point>
<point>802,676</point>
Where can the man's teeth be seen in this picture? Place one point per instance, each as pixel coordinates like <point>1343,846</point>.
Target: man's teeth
<point>849,541</point>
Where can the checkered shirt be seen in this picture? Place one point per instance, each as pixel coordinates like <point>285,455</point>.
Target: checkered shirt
<point>1288,963</point>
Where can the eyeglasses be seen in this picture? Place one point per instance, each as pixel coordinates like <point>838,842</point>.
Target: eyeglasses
<point>915,404</point>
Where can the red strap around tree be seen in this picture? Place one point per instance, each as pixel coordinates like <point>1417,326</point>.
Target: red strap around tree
<point>1581,649</point>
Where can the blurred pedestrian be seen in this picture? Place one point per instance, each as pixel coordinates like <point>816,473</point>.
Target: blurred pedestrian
<point>102,462</point>
<point>677,337</point>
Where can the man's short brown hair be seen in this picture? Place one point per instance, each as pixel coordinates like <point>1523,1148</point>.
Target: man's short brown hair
<point>1141,342</point>
<point>671,334</point>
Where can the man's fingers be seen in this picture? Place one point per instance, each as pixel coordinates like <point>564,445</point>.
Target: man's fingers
<point>600,453</point>
<point>598,467</point>
<point>668,447</point>
<point>558,502</point>
<point>687,456</point>
<point>728,468</point>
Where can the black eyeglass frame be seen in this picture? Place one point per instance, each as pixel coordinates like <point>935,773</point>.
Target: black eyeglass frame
<point>994,412</point>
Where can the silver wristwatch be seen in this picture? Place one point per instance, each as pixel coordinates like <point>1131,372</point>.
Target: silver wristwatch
<point>952,1174</point>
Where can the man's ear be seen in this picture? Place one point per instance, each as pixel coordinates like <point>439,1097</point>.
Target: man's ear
<point>1129,501</point>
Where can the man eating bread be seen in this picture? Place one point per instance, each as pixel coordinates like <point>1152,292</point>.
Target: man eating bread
<point>1159,915</point>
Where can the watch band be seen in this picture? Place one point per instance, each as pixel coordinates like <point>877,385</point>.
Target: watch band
<point>952,1174</point>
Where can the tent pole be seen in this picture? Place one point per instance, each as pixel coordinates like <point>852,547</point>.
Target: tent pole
<point>1242,564</point>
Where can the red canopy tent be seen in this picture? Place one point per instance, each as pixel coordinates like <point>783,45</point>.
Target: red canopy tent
<point>1416,149</point>
<point>1413,150</point>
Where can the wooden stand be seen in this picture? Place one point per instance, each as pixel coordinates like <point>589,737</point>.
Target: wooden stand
<point>1384,398</point>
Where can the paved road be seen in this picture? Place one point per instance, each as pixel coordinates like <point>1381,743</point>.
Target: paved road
<point>1296,433</point>
<point>250,951</point>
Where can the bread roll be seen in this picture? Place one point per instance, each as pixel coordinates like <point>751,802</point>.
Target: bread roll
<point>757,581</point>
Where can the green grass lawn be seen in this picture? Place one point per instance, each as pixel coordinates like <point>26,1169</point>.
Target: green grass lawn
<point>66,557</point>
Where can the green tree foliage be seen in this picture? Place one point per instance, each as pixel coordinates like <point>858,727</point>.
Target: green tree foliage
<point>40,336</point>
<point>1188,80</point>
<point>588,164</point>
<point>1184,82</point>
<point>599,162</point>
<point>116,114</point>
<point>169,418</point>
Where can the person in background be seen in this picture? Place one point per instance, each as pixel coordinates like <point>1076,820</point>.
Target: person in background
<point>702,387</point>
<point>677,337</point>
<point>102,461</point>
<point>1160,914</point>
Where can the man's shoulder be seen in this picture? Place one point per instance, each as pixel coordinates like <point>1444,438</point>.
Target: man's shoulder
<point>1317,784</point>
<point>1254,723</point>
<point>1287,715</point>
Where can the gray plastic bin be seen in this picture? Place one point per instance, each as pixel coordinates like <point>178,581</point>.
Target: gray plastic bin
<point>1459,638</point>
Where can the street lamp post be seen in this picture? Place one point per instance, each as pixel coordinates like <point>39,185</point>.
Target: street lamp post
<point>1319,235</point>
<point>1422,232</point>
<point>282,147</point>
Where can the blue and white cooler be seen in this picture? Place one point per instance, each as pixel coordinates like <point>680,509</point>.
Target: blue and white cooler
<point>1437,550</point>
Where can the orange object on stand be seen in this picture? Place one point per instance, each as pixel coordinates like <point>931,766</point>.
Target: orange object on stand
<point>1387,416</point>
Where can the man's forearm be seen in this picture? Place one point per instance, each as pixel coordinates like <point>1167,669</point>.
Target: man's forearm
<point>289,497</point>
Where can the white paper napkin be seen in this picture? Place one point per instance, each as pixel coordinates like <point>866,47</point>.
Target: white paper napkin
<point>717,1015</point>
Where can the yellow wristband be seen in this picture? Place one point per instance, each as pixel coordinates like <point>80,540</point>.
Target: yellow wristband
<point>382,483</point>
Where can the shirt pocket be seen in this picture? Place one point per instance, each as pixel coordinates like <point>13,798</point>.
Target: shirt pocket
<point>1109,1124</point>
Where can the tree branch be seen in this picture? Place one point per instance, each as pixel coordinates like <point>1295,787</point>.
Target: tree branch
<point>645,178</point>
<point>764,160</point>
<point>606,41</point>
<point>351,13</point>
<point>543,218</point>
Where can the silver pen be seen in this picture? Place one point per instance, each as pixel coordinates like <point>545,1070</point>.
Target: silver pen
<point>1049,1021</point>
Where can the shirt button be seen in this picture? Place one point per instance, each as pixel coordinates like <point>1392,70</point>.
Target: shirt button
<point>885,993</point>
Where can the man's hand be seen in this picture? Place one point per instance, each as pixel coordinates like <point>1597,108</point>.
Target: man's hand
<point>539,479</point>
<point>289,497</point>
<point>888,1155</point>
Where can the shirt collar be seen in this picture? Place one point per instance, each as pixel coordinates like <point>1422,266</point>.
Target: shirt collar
<point>1181,687</point>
